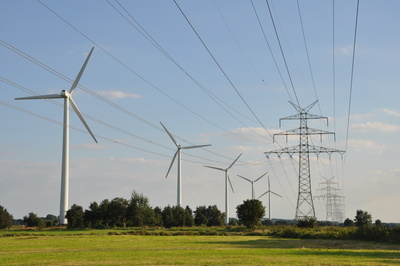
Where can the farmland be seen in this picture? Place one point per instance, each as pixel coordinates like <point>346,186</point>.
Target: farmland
<point>182,246</point>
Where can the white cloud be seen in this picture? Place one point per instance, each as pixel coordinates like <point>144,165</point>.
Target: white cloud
<point>362,145</point>
<point>120,95</point>
<point>391,112</point>
<point>375,126</point>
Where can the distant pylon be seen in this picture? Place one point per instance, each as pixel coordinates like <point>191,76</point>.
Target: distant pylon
<point>305,205</point>
<point>334,202</point>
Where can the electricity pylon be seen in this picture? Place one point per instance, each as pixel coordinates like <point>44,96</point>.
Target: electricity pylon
<point>305,205</point>
<point>334,202</point>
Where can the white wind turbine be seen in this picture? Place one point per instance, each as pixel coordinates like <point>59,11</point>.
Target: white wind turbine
<point>178,154</point>
<point>269,199</point>
<point>227,179</point>
<point>252,183</point>
<point>67,96</point>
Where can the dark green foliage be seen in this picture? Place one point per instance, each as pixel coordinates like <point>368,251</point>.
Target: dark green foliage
<point>176,216</point>
<point>250,212</point>
<point>158,220</point>
<point>93,216</point>
<point>168,217</point>
<point>117,211</point>
<point>75,217</point>
<point>363,218</point>
<point>308,222</point>
<point>139,212</point>
<point>189,221</point>
<point>31,220</point>
<point>6,219</point>
<point>51,220</point>
<point>200,216</point>
<point>378,223</point>
<point>210,216</point>
<point>348,222</point>
<point>267,222</point>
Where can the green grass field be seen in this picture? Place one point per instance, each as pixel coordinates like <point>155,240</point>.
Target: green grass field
<point>100,247</point>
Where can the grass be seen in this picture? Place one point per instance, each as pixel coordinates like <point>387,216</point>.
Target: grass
<point>184,246</point>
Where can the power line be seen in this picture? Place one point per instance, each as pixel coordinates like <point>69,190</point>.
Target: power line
<point>148,37</point>
<point>139,76</point>
<point>270,50</point>
<point>283,54</point>
<point>219,66</point>
<point>352,74</point>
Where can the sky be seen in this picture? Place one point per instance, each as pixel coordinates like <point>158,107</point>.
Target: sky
<point>213,72</point>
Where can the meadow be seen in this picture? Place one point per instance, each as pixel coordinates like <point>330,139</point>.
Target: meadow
<point>185,247</point>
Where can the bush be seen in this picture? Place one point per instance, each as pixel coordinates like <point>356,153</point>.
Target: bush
<point>308,222</point>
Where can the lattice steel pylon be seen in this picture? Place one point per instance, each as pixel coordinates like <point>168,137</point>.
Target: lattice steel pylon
<point>334,202</point>
<point>305,205</point>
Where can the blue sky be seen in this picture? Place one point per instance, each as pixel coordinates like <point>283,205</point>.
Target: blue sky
<point>140,86</point>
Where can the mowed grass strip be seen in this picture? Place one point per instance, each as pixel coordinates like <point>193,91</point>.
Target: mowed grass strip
<point>190,250</point>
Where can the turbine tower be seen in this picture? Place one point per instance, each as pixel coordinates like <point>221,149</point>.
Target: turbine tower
<point>227,179</point>
<point>269,198</point>
<point>178,154</point>
<point>252,183</point>
<point>305,205</point>
<point>67,96</point>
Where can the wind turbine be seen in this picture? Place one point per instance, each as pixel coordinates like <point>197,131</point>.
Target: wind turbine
<point>227,179</point>
<point>269,198</point>
<point>67,96</point>
<point>252,183</point>
<point>178,154</point>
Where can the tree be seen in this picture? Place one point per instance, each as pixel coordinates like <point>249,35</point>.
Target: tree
<point>75,217</point>
<point>31,220</point>
<point>210,216</point>
<point>93,216</point>
<point>348,222</point>
<point>250,212</point>
<point>117,211</point>
<point>139,211</point>
<point>200,216</point>
<point>6,219</point>
<point>189,221</point>
<point>362,218</point>
<point>215,216</point>
<point>378,223</point>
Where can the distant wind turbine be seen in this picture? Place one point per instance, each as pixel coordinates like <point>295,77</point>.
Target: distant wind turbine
<point>178,153</point>
<point>252,183</point>
<point>67,96</point>
<point>269,199</point>
<point>227,179</point>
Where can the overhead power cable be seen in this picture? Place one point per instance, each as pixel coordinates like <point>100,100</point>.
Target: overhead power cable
<point>142,78</point>
<point>352,75</point>
<point>149,38</point>
<point>270,50</point>
<point>308,55</point>
<point>58,74</point>
<point>222,70</point>
<point>283,54</point>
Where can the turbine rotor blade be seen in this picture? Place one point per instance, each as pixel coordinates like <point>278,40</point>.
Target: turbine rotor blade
<point>80,73</point>
<point>234,161</point>
<point>276,194</point>
<point>41,97</point>
<point>170,135</point>
<point>216,168</point>
<point>245,178</point>
<point>172,162</point>
<point>263,194</point>
<point>78,113</point>
<point>230,183</point>
<point>260,177</point>
<point>195,146</point>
